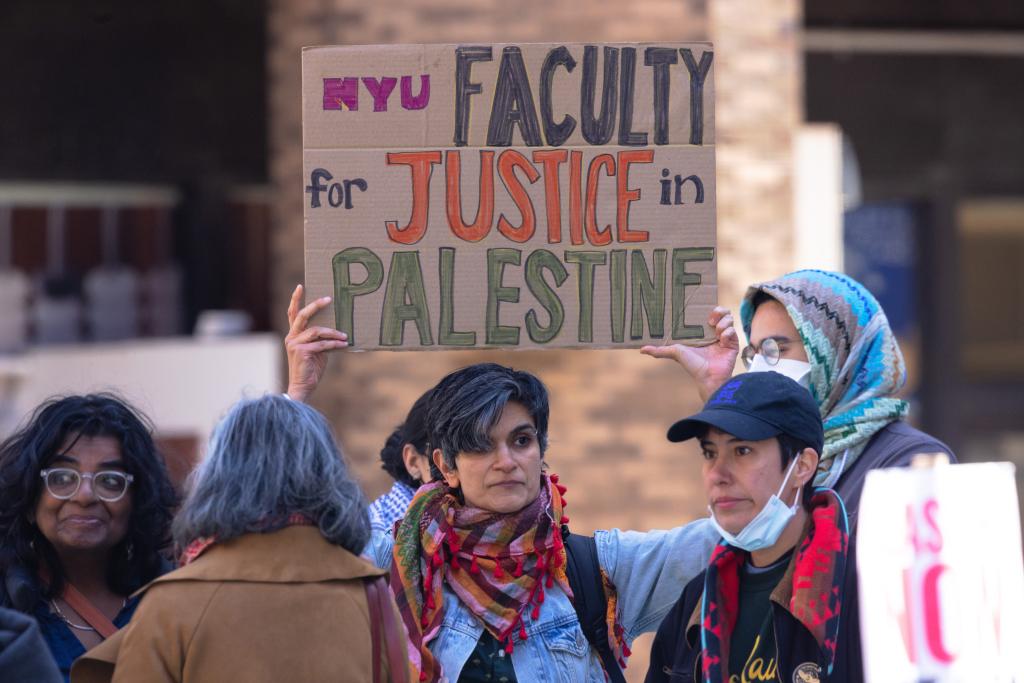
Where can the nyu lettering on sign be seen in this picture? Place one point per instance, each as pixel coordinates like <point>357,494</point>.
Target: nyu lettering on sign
<point>343,93</point>
<point>511,195</point>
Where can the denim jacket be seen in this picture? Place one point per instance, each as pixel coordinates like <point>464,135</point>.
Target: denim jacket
<point>649,570</point>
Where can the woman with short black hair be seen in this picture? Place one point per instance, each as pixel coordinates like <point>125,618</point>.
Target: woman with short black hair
<point>481,562</point>
<point>86,509</point>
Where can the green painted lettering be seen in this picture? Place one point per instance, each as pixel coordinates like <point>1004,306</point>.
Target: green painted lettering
<point>648,295</point>
<point>586,261</point>
<point>680,281</point>
<point>345,291</point>
<point>497,259</point>
<point>446,335</point>
<point>617,273</point>
<point>405,299</point>
<point>536,263</point>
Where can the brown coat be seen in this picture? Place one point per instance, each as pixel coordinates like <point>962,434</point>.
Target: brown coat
<point>283,606</point>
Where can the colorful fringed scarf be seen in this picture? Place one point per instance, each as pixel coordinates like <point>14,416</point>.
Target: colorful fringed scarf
<point>201,545</point>
<point>856,363</point>
<point>499,566</point>
<point>817,587</point>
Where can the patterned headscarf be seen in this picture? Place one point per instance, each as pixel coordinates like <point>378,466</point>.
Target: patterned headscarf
<point>856,363</point>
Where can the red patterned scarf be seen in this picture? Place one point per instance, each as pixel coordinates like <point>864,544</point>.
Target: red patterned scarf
<point>498,565</point>
<point>817,590</point>
<point>201,545</point>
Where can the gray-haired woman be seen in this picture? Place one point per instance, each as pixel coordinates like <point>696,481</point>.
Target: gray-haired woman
<point>271,588</point>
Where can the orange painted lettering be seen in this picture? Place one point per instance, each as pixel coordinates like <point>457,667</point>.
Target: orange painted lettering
<point>422,166</point>
<point>603,236</point>
<point>552,159</point>
<point>575,197</point>
<point>625,196</point>
<point>479,228</point>
<point>508,162</point>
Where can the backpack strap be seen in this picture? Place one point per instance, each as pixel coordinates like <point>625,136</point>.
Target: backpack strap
<point>589,600</point>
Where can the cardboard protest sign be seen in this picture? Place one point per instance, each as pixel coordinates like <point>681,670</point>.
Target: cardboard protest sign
<point>518,196</point>
<point>940,575</point>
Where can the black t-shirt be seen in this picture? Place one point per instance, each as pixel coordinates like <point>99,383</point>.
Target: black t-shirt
<point>752,650</point>
<point>488,663</point>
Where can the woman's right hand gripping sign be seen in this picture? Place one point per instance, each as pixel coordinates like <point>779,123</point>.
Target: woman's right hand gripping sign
<point>709,365</point>
<point>307,347</point>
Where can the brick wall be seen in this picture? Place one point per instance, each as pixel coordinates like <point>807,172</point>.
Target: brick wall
<point>759,103</point>
<point>610,409</point>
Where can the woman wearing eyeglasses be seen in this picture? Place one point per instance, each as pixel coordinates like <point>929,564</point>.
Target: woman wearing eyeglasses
<point>85,507</point>
<point>270,588</point>
<point>827,332</point>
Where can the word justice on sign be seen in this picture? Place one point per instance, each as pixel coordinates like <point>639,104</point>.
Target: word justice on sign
<point>582,218</point>
<point>340,193</point>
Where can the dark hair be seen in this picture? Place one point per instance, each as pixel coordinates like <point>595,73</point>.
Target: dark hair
<point>467,404</point>
<point>413,431</point>
<point>790,447</point>
<point>759,298</point>
<point>136,559</point>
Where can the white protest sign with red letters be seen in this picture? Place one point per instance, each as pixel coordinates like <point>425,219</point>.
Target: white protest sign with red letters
<point>941,575</point>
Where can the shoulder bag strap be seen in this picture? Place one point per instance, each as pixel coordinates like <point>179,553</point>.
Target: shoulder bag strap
<point>374,609</point>
<point>381,608</point>
<point>88,611</point>
<point>589,600</point>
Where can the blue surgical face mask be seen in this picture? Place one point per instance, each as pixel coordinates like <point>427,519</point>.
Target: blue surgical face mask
<point>797,370</point>
<point>766,527</point>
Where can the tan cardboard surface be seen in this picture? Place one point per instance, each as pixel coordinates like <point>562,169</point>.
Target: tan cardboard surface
<point>428,237</point>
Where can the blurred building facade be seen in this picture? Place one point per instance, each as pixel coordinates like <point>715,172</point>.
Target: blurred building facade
<point>917,109</point>
<point>133,199</point>
<point>926,94</point>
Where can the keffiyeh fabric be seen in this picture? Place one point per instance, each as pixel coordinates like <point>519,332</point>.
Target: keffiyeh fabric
<point>498,565</point>
<point>390,507</point>
<point>819,569</point>
<point>856,363</point>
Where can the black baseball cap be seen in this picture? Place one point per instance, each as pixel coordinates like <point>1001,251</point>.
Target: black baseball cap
<point>755,406</point>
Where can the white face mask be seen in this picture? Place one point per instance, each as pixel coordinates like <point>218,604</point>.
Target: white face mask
<point>797,370</point>
<point>766,527</point>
